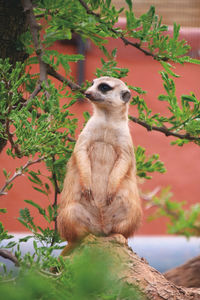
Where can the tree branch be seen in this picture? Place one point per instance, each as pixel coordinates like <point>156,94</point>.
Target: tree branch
<point>121,36</point>
<point>34,94</point>
<point>47,69</point>
<point>35,28</point>
<point>88,10</point>
<point>73,86</point>
<point>135,271</point>
<point>10,136</point>
<point>8,255</point>
<point>165,130</point>
<point>19,173</point>
<point>186,275</point>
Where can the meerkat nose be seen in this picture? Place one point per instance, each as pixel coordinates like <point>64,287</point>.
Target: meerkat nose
<point>88,95</point>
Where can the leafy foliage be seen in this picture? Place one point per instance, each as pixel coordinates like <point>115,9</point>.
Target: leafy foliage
<point>182,221</point>
<point>147,165</point>
<point>88,276</point>
<point>4,233</point>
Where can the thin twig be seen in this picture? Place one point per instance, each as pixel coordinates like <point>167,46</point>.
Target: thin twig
<point>10,135</point>
<point>19,173</point>
<point>171,213</point>
<point>149,196</point>
<point>70,139</point>
<point>34,94</point>
<point>71,84</point>
<point>164,130</point>
<point>8,255</point>
<point>49,274</point>
<point>88,10</point>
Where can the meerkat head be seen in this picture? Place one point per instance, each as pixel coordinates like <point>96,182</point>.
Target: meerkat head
<point>108,92</point>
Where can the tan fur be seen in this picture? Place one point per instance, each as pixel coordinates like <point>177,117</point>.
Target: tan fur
<point>100,194</point>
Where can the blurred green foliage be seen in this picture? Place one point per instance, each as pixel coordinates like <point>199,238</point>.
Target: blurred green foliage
<point>91,274</point>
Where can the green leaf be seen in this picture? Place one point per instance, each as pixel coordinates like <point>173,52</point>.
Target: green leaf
<point>167,67</point>
<point>11,245</point>
<point>24,223</point>
<point>32,60</point>
<point>191,60</point>
<point>130,4</point>
<point>50,211</point>
<point>9,186</point>
<point>176,31</point>
<point>108,2</point>
<point>40,190</point>
<point>163,98</point>
<point>26,238</point>
<point>5,173</point>
<point>189,98</point>
<point>137,89</point>
<point>35,179</point>
<point>86,115</point>
<point>34,116</point>
<point>35,245</point>
<point>40,209</point>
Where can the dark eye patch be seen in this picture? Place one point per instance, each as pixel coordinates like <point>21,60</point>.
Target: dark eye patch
<point>104,88</point>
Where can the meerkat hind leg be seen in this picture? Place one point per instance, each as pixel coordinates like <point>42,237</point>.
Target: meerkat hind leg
<point>76,222</point>
<point>69,248</point>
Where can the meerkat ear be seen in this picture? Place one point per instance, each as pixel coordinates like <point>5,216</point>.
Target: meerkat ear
<point>125,96</point>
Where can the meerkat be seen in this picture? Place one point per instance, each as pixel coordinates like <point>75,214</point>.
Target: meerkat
<point>100,194</point>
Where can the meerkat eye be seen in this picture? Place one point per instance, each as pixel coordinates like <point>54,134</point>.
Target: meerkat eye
<point>104,87</point>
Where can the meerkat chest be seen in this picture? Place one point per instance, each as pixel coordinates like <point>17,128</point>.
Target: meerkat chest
<point>106,135</point>
<point>104,147</point>
<point>102,157</point>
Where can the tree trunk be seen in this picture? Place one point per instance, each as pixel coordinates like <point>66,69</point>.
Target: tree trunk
<point>136,271</point>
<point>187,275</point>
<point>12,25</point>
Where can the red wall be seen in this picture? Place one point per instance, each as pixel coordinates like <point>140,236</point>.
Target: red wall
<point>182,163</point>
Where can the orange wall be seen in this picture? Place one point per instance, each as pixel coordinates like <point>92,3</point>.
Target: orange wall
<point>182,163</point>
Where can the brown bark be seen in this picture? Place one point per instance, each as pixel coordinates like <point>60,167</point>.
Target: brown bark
<point>8,255</point>
<point>12,25</point>
<point>187,275</point>
<point>137,272</point>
